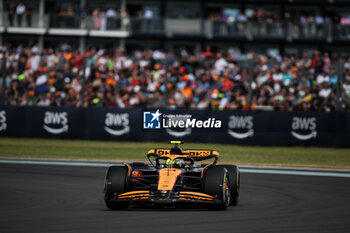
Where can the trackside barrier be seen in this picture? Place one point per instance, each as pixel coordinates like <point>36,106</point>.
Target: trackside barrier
<point>238,127</point>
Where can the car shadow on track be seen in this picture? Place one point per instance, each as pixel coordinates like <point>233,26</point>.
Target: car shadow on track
<point>163,209</point>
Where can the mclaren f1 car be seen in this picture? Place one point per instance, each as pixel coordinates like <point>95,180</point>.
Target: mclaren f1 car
<point>173,177</point>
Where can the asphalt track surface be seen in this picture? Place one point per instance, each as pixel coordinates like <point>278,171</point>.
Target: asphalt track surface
<point>38,198</point>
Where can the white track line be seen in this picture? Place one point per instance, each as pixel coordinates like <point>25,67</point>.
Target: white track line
<point>243,169</point>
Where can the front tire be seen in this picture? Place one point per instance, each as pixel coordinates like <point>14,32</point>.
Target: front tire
<point>216,183</point>
<point>116,183</point>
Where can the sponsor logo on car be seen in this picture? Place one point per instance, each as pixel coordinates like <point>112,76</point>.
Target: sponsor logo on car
<point>56,122</point>
<point>117,124</point>
<point>240,127</point>
<point>3,124</point>
<point>307,124</point>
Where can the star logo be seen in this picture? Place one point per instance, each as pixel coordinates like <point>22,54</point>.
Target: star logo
<point>156,115</point>
<point>152,119</point>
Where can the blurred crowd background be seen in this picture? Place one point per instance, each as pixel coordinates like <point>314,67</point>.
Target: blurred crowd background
<point>201,79</point>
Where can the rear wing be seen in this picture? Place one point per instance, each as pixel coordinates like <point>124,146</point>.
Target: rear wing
<point>193,153</point>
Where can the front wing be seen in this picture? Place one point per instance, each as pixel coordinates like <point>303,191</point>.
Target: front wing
<point>166,197</point>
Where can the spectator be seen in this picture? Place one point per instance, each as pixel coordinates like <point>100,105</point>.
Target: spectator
<point>322,78</point>
<point>111,16</point>
<point>29,14</point>
<point>325,91</point>
<point>125,21</point>
<point>220,63</point>
<point>44,100</point>
<point>148,19</point>
<point>317,62</point>
<point>326,63</point>
<point>263,75</point>
<point>50,59</point>
<point>96,19</point>
<point>70,11</point>
<point>61,17</point>
<point>346,86</point>
<point>34,61</point>
<point>305,64</point>
<point>103,20</point>
<point>148,14</point>
<point>242,20</point>
<point>11,13</point>
<point>345,23</point>
<point>70,19</point>
<point>320,21</point>
<point>20,10</point>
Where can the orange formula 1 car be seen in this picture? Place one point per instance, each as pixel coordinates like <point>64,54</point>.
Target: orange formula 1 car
<point>173,178</point>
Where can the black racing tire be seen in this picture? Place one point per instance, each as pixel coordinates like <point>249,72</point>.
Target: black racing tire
<point>235,182</point>
<point>216,183</point>
<point>117,180</point>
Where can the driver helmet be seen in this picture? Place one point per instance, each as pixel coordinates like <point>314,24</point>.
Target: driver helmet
<point>177,163</point>
<point>168,163</point>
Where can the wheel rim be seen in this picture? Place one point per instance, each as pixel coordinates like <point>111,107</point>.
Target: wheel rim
<point>226,192</point>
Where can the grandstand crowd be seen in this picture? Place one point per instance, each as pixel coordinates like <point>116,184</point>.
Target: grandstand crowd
<point>203,79</point>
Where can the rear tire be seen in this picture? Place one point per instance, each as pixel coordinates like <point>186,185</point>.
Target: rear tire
<point>117,181</point>
<point>235,182</point>
<point>216,183</point>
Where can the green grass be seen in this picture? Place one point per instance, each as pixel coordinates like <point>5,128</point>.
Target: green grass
<point>241,155</point>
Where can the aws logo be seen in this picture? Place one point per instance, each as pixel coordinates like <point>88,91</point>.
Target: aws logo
<point>117,124</point>
<point>56,122</point>
<point>3,124</point>
<point>241,127</point>
<point>304,124</point>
